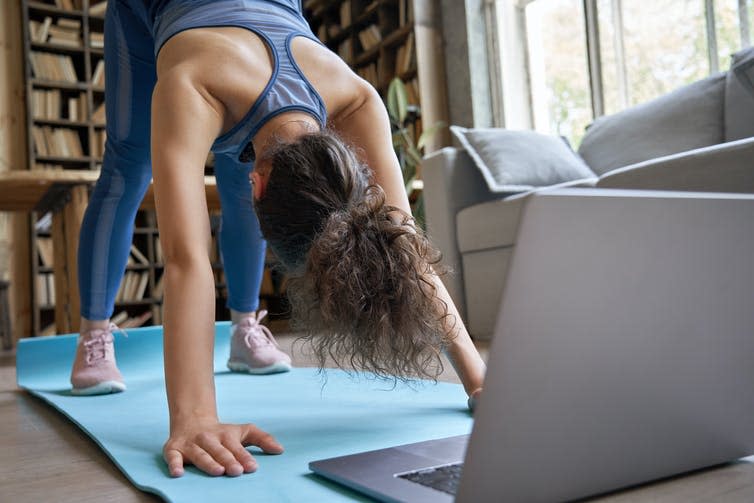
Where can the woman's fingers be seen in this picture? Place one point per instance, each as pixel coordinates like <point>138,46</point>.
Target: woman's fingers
<point>222,454</point>
<point>241,455</point>
<point>254,436</point>
<point>203,460</point>
<point>174,459</point>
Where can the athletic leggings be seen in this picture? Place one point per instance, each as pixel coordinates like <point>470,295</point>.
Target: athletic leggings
<point>107,228</point>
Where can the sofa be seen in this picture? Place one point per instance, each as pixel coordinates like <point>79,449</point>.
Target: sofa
<point>699,137</point>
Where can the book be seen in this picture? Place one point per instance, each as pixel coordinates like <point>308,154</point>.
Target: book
<point>42,30</point>
<point>141,286</point>
<point>119,318</point>
<point>140,257</point>
<point>157,250</point>
<point>136,321</point>
<point>370,37</point>
<point>46,255</point>
<point>98,116</point>
<point>98,9</point>
<point>96,40</point>
<point>406,56</point>
<point>159,288</point>
<point>40,141</point>
<point>345,14</point>
<point>98,75</point>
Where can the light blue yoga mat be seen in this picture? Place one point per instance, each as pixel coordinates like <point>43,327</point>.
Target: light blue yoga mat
<point>313,417</point>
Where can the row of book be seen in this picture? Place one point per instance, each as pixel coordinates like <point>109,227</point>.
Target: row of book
<point>57,142</point>
<point>133,286</point>
<point>345,13</point>
<point>64,31</point>
<point>50,104</point>
<point>50,66</point>
<point>45,286</point>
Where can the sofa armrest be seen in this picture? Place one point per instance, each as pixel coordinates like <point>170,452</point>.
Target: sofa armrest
<point>451,183</point>
<point>726,167</point>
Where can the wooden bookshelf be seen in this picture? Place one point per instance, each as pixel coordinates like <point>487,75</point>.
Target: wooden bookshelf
<point>375,37</point>
<point>59,63</point>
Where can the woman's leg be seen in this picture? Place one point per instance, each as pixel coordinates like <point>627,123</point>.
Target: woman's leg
<point>107,227</point>
<point>253,349</point>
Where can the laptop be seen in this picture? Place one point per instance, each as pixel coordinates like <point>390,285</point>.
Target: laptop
<point>623,353</point>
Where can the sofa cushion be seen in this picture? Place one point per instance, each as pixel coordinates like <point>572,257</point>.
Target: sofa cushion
<point>494,224</point>
<point>739,96</point>
<point>516,161</point>
<point>687,118</point>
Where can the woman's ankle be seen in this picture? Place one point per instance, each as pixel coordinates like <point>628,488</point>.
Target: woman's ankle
<point>237,316</point>
<point>88,325</point>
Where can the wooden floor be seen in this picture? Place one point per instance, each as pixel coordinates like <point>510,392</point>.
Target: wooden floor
<point>44,457</point>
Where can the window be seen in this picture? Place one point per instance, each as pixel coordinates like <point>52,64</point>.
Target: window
<point>585,58</point>
<point>558,70</point>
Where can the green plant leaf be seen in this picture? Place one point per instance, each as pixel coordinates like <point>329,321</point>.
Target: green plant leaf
<point>410,185</point>
<point>397,100</point>
<point>429,133</point>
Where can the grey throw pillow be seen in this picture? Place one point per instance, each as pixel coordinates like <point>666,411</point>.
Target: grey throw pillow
<point>739,96</point>
<point>688,118</point>
<point>516,161</point>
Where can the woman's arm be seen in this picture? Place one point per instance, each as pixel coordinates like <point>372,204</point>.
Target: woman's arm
<point>366,124</point>
<point>185,121</point>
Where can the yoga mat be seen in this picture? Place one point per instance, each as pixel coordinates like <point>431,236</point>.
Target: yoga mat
<point>313,417</point>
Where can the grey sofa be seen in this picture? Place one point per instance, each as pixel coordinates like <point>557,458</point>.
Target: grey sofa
<point>697,138</point>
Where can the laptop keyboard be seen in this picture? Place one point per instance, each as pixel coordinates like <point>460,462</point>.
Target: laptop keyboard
<point>443,478</point>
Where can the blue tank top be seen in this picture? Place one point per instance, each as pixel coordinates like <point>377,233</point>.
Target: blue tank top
<point>277,22</point>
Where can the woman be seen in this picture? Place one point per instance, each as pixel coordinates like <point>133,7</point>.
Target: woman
<point>247,80</point>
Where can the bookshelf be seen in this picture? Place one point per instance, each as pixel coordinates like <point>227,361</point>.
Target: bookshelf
<point>64,76</point>
<point>63,48</point>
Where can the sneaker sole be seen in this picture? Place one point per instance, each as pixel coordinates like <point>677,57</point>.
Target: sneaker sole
<point>103,388</point>
<point>275,368</point>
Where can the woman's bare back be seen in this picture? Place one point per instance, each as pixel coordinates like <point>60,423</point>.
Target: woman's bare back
<point>231,67</point>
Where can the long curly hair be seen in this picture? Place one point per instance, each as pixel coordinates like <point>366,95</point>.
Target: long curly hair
<point>360,272</point>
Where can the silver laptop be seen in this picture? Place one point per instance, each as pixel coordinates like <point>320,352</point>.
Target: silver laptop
<point>623,353</point>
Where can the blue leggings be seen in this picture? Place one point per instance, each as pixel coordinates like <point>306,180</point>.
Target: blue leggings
<point>107,228</point>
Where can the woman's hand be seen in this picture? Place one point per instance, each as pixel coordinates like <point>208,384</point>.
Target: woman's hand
<point>216,448</point>
<point>473,397</point>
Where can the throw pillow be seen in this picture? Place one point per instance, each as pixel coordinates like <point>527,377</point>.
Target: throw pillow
<point>688,118</point>
<point>739,96</point>
<point>516,161</point>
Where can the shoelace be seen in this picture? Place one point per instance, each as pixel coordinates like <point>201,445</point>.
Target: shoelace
<point>253,328</point>
<point>95,344</point>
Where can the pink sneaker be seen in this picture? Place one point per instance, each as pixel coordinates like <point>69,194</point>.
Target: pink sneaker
<point>94,370</point>
<point>254,350</point>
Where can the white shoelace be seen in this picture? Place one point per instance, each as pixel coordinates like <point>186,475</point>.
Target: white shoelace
<point>95,344</point>
<point>253,328</point>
